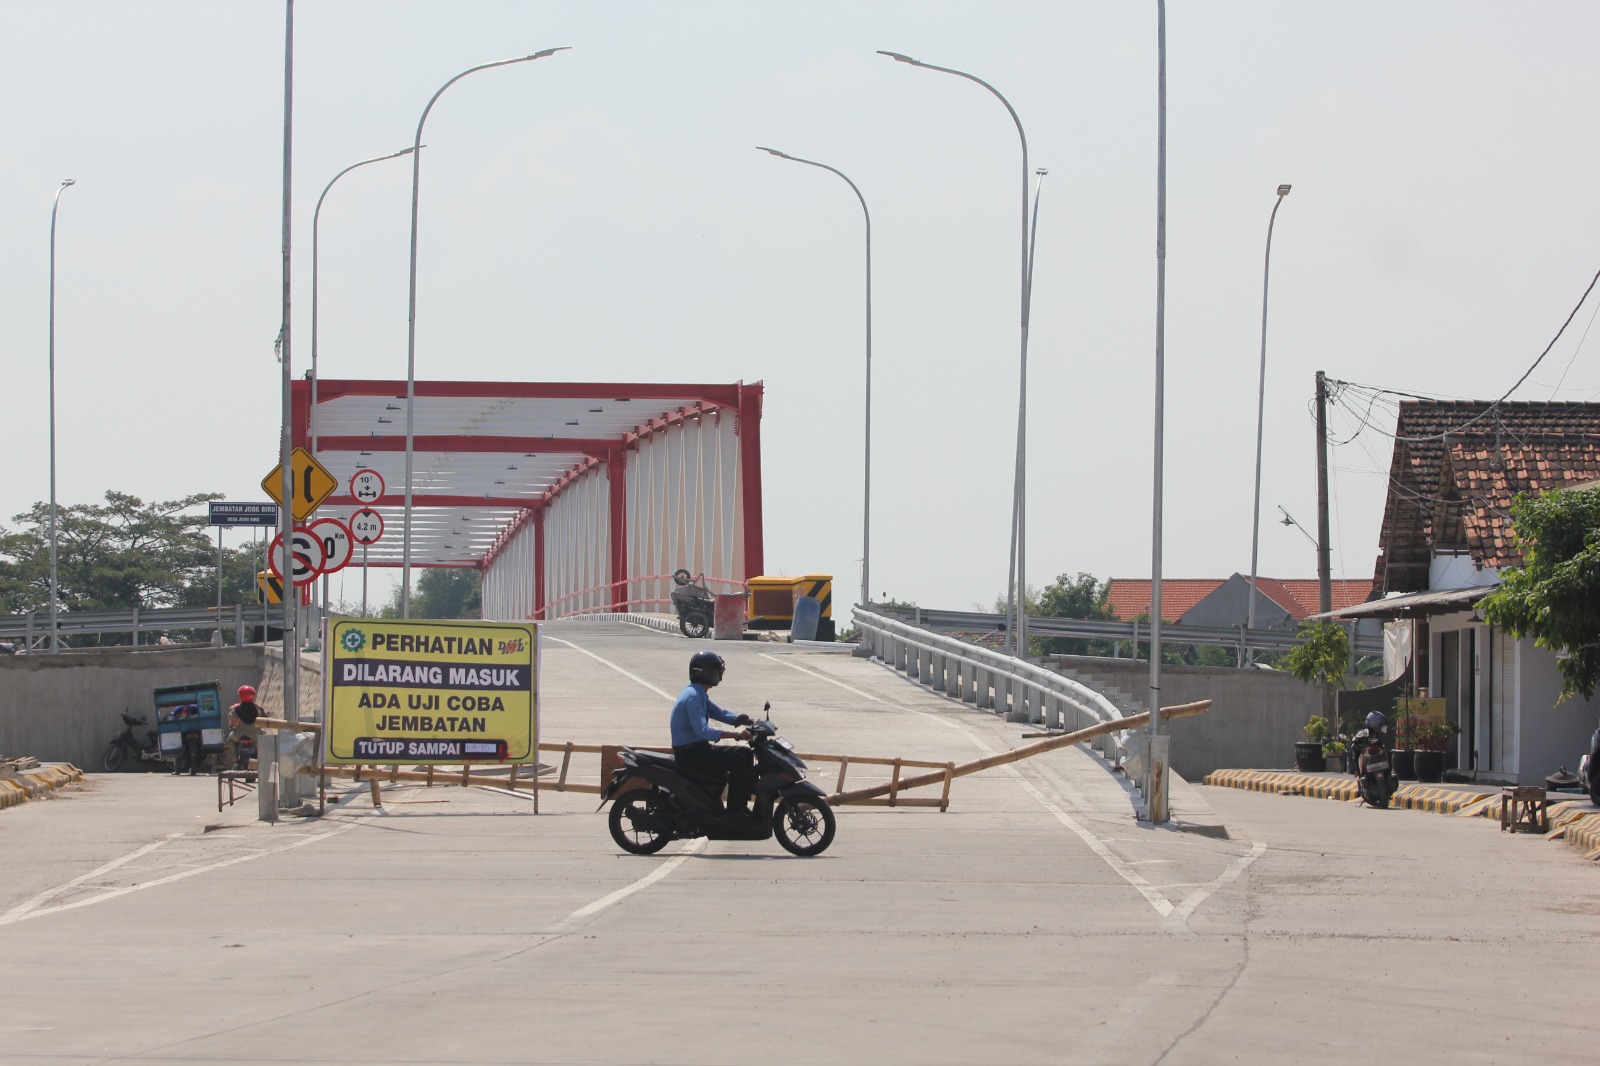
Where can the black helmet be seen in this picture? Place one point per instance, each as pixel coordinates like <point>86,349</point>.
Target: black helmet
<point>706,668</point>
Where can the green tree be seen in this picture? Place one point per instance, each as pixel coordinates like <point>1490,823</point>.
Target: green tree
<point>1322,660</point>
<point>1072,596</point>
<point>121,554</point>
<point>1554,597</point>
<point>441,592</point>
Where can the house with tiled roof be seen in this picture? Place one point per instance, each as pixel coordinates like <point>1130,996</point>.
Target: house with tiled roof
<point>1456,467</point>
<point>1280,603</point>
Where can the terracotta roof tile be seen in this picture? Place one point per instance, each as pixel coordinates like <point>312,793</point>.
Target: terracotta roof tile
<point>1129,597</point>
<point>1542,444</point>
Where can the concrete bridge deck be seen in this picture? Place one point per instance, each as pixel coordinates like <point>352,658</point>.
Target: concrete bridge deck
<point>1034,922</point>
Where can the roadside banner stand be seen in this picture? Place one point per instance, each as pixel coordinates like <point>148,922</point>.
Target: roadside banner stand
<point>429,693</point>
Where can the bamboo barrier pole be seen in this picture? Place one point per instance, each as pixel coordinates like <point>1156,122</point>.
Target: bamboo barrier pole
<point>263,722</point>
<point>1116,725</point>
<point>515,783</point>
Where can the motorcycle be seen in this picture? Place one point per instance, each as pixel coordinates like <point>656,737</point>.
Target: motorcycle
<point>1375,779</point>
<point>654,801</point>
<point>1589,770</point>
<point>126,744</point>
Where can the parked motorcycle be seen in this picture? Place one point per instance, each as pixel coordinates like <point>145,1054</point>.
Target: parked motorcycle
<point>1589,769</point>
<point>1375,779</point>
<point>128,747</point>
<point>127,750</point>
<point>654,801</point>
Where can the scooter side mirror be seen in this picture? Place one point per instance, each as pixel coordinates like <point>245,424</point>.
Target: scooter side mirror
<point>766,711</point>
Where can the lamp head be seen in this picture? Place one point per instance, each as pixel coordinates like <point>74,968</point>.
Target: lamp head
<point>1283,190</point>
<point>549,52</point>
<point>68,181</point>
<point>898,58</point>
<point>1042,171</point>
<point>774,151</point>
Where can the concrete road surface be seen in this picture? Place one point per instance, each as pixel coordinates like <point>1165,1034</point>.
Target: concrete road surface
<point>1036,922</point>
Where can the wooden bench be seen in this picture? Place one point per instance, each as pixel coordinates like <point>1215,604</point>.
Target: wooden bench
<point>1523,807</point>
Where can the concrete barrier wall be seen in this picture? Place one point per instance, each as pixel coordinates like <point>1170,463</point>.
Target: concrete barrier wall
<point>270,694</point>
<point>1256,716</point>
<point>66,708</point>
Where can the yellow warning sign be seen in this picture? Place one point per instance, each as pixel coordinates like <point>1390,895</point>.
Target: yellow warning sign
<point>411,691</point>
<point>312,483</point>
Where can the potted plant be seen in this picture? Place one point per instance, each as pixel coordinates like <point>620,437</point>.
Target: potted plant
<point>1334,753</point>
<point>1320,659</point>
<point>1403,757</point>
<point>1431,739</point>
<point>1308,753</point>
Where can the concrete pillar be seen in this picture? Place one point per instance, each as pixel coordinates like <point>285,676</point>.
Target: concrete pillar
<point>267,775</point>
<point>941,671</point>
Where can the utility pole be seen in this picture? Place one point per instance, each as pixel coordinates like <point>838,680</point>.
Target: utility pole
<point>1324,566</point>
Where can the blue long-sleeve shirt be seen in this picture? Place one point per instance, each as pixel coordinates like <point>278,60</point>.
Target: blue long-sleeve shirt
<point>690,716</point>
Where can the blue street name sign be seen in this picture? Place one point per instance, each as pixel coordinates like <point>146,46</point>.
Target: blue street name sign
<point>243,514</point>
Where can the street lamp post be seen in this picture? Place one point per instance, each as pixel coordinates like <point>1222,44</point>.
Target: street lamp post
<point>55,594</point>
<point>316,221</point>
<point>1261,410</point>
<point>411,321</point>
<point>1020,540</point>
<point>866,505</point>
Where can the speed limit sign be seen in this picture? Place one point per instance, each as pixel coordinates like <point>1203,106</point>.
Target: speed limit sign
<point>305,557</point>
<point>337,547</point>
<point>366,526</point>
<point>367,486</point>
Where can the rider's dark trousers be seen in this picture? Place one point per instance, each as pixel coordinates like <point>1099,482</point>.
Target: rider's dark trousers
<point>733,764</point>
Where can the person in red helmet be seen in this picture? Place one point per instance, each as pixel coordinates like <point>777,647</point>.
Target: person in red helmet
<point>243,717</point>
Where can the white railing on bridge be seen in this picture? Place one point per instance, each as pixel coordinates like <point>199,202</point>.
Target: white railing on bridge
<point>983,677</point>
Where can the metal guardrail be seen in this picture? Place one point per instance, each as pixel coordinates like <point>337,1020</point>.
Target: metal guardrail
<point>1236,637</point>
<point>32,631</point>
<point>982,676</point>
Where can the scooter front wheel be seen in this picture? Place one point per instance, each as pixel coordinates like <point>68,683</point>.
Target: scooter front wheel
<point>640,822</point>
<point>803,825</point>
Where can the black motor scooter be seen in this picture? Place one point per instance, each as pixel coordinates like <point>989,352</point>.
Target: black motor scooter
<point>655,801</point>
<point>1375,779</point>
<point>1589,769</point>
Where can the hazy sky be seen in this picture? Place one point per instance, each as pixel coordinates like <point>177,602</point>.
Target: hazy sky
<point>603,215</point>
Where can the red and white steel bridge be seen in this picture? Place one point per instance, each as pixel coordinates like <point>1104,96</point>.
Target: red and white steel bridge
<point>570,497</point>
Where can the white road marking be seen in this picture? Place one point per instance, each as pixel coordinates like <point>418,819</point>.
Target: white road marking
<point>1181,914</point>
<point>27,905</point>
<point>823,677</point>
<point>28,910</point>
<point>694,847</point>
<point>607,662</point>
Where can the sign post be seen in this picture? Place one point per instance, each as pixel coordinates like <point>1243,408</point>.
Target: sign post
<point>220,514</point>
<point>366,527</point>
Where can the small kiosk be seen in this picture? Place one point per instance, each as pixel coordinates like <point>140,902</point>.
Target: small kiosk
<point>189,721</point>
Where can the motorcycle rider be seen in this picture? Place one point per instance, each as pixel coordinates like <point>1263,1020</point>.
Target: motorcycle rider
<point>694,739</point>
<point>243,716</point>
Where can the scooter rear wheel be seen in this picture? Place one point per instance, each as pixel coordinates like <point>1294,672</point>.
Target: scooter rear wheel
<point>803,825</point>
<point>639,822</point>
<point>114,757</point>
